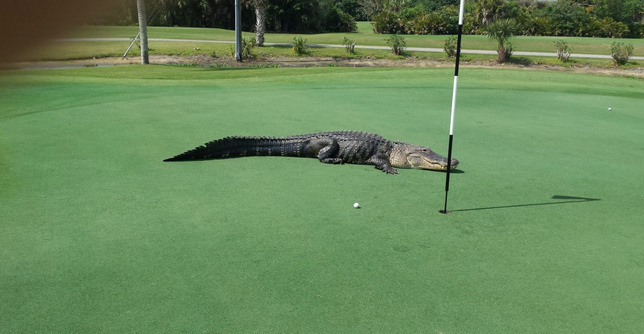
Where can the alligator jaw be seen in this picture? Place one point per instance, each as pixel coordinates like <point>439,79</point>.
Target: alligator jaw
<point>430,161</point>
<point>439,166</point>
<point>419,157</point>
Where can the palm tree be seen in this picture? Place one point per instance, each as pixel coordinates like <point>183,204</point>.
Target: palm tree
<point>260,22</point>
<point>502,31</point>
<point>143,31</point>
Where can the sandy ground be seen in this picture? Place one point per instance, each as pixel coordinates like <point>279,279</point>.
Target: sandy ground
<point>208,61</point>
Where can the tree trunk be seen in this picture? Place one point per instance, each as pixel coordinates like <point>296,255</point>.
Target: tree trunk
<point>260,23</point>
<point>143,31</point>
<point>501,54</point>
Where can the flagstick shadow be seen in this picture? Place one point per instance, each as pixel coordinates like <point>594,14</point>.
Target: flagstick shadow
<point>567,200</point>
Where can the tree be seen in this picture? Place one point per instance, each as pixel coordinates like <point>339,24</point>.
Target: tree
<point>501,31</point>
<point>370,8</point>
<point>487,11</point>
<point>260,21</point>
<point>432,5</point>
<point>568,18</point>
<point>625,11</point>
<point>143,31</point>
<point>353,8</point>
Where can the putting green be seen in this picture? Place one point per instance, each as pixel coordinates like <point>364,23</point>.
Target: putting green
<point>98,235</point>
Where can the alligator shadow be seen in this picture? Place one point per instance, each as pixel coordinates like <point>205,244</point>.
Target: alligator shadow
<point>453,171</point>
<point>563,200</point>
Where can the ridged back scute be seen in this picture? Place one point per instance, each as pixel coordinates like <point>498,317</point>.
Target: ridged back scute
<point>239,146</point>
<point>354,146</point>
<point>359,147</point>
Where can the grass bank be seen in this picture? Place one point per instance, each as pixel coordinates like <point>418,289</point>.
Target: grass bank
<point>364,37</point>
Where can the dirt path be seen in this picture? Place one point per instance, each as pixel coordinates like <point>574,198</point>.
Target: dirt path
<point>208,61</point>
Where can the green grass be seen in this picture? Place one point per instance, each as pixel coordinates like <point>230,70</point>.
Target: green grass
<point>364,36</point>
<point>99,235</point>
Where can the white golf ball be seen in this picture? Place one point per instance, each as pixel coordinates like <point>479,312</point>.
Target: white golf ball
<point>356,205</point>
<point>609,108</point>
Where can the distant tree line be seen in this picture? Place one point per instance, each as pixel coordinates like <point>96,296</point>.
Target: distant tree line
<point>595,18</point>
<point>297,16</point>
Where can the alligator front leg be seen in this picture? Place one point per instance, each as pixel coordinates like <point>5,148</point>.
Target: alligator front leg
<point>383,165</point>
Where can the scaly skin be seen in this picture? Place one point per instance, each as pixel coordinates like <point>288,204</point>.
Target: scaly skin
<point>329,147</point>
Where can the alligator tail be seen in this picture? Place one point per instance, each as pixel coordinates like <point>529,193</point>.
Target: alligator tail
<point>235,147</point>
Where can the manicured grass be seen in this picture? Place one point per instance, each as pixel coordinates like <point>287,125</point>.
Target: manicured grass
<point>99,235</point>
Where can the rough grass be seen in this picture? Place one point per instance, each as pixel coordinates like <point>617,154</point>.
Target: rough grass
<point>364,36</point>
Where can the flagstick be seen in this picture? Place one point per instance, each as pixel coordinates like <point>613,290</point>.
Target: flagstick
<point>451,122</point>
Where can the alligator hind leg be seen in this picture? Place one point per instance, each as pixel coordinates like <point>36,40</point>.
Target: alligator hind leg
<point>324,156</point>
<point>328,150</point>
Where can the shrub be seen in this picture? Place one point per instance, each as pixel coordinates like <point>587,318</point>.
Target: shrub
<point>637,30</point>
<point>606,27</point>
<point>347,22</point>
<point>387,22</point>
<point>247,47</point>
<point>450,47</point>
<point>563,50</point>
<point>502,31</point>
<point>299,47</point>
<point>417,21</point>
<point>621,52</point>
<point>349,45</point>
<point>338,21</point>
<point>397,44</point>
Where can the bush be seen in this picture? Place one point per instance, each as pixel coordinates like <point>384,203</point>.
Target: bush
<point>338,21</point>
<point>450,47</point>
<point>637,30</point>
<point>387,22</point>
<point>417,21</point>
<point>606,27</point>
<point>563,50</point>
<point>502,31</point>
<point>247,48</point>
<point>397,44</point>
<point>349,45</point>
<point>621,52</point>
<point>299,47</point>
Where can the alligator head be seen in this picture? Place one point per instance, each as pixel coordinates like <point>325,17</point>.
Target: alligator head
<point>420,157</point>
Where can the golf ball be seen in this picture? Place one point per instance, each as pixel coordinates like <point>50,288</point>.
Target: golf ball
<point>356,205</point>
<point>609,108</point>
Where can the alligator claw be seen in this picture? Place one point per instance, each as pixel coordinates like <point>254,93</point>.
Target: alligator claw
<point>334,161</point>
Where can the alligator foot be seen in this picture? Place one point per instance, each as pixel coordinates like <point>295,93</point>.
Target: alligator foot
<point>387,169</point>
<point>390,170</point>
<point>334,161</point>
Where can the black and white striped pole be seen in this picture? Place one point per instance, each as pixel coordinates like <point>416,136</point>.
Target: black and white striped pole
<point>451,121</point>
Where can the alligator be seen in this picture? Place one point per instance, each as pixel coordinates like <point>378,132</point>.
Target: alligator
<point>335,147</point>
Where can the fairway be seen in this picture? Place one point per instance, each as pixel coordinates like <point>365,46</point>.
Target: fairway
<point>98,235</point>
